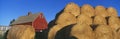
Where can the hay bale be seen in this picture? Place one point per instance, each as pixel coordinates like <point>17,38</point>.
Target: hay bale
<point>72,8</point>
<point>53,22</point>
<point>101,11</point>
<point>118,34</point>
<point>66,19</point>
<point>54,30</point>
<point>100,20</point>
<point>115,26</point>
<point>21,32</point>
<point>116,29</point>
<point>87,10</point>
<point>64,33</point>
<point>113,20</point>
<point>104,32</point>
<point>84,19</point>
<point>112,11</point>
<point>82,31</point>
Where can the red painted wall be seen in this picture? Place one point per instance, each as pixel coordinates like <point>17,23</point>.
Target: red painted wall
<point>40,23</point>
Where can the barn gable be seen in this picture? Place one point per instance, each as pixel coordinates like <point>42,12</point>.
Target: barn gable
<point>36,20</point>
<point>25,19</point>
<point>40,23</point>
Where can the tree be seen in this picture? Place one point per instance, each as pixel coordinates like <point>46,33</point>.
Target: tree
<point>11,21</point>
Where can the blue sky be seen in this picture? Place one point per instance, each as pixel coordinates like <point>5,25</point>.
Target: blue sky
<point>12,9</point>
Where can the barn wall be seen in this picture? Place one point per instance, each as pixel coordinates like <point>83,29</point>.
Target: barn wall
<point>40,23</point>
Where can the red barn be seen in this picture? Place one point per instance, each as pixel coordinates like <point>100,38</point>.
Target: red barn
<point>36,20</point>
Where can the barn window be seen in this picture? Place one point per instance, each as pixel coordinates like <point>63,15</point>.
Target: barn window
<point>41,31</point>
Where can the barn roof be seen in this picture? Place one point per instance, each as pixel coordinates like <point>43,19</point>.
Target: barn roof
<point>26,19</point>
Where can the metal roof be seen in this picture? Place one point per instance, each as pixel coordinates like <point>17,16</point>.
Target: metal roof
<point>25,19</point>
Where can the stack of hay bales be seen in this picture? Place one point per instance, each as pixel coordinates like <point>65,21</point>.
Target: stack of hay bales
<point>104,21</point>
<point>21,32</point>
<point>67,17</point>
<point>114,21</point>
<point>75,22</point>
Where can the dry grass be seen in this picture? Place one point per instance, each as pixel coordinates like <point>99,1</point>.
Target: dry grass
<point>21,32</point>
<point>72,8</point>
<point>112,11</point>
<point>87,10</point>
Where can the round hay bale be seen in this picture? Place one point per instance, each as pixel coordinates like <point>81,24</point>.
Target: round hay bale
<point>21,32</point>
<point>115,26</point>
<point>100,20</point>
<point>87,10</point>
<point>72,8</point>
<point>101,11</point>
<point>84,19</point>
<point>64,33</point>
<point>66,19</point>
<point>82,31</point>
<point>54,30</point>
<point>104,32</point>
<point>113,20</point>
<point>112,11</point>
<point>118,34</point>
